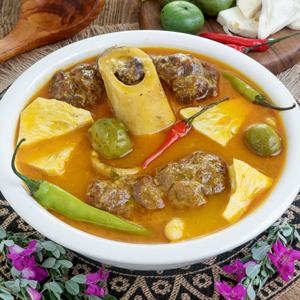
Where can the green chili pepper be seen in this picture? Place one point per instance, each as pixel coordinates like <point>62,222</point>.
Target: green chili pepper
<point>250,93</point>
<point>52,197</point>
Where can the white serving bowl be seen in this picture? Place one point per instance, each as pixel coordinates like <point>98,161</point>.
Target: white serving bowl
<point>138,256</point>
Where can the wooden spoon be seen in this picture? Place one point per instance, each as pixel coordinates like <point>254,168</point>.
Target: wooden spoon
<point>46,21</point>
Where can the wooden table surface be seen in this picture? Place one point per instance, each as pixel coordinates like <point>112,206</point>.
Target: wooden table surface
<point>114,12</point>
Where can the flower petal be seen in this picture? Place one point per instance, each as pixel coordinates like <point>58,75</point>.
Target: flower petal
<point>102,293</point>
<point>92,278</point>
<point>294,254</point>
<point>230,269</point>
<point>93,289</point>
<point>40,274</point>
<point>101,277</point>
<point>18,264</point>
<point>33,294</point>
<point>240,290</point>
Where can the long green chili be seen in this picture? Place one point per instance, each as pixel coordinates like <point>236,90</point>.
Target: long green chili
<point>250,93</point>
<point>54,198</point>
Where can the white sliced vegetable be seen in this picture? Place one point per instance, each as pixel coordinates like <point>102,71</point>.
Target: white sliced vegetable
<point>232,19</point>
<point>249,7</point>
<point>295,25</point>
<point>276,14</point>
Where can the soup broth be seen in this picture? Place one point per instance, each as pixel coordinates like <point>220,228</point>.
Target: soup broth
<point>199,222</point>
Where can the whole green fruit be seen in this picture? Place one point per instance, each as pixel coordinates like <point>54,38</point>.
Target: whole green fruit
<point>213,7</point>
<point>164,2</point>
<point>182,16</point>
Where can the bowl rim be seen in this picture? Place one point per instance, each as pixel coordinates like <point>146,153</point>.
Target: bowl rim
<point>146,256</point>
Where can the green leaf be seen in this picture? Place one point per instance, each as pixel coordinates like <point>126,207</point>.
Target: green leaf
<point>1,246</point>
<point>56,265</point>
<point>16,286</point>
<point>34,284</point>
<point>49,246</point>
<point>8,243</point>
<point>264,280</point>
<point>282,239</point>
<point>296,235</point>
<point>23,282</point>
<point>252,270</point>
<point>264,273</point>
<point>109,297</point>
<point>5,296</point>
<point>260,285</point>
<point>14,272</point>
<point>56,253</point>
<point>287,232</point>
<point>38,246</point>
<point>250,292</point>
<point>246,259</point>
<point>61,249</point>
<point>52,297</point>
<point>49,262</point>
<point>2,233</point>
<point>61,286</point>
<point>93,297</point>
<point>269,266</point>
<point>68,295</point>
<point>261,252</point>
<point>58,296</point>
<point>53,286</point>
<point>79,278</point>
<point>53,272</point>
<point>9,284</point>
<point>66,263</point>
<point>72,287</point>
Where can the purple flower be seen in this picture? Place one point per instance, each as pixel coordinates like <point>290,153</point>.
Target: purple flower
<point>284,260</point>
<point>239,269</point>
<point>29,271</point>
<point>33,294</point>
<point>17,253</point>
<point>93,287</point>
<point>237,293</point>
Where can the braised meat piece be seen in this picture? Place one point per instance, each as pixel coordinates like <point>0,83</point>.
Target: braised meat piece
<point>130,71</point>
<point>186,194</point>
<point>189,78</point>
<point>146,193</point>
<point>207,169</point>
<point>111,196</point>
<point>81,87</point>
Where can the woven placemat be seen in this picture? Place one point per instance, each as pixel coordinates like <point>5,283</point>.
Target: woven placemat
<point>187,283</point>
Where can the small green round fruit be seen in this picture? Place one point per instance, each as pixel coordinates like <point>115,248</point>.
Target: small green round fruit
<point>182,16</point>
<point>263,139</point>
<point>164,2</point>
<point>213,7</point>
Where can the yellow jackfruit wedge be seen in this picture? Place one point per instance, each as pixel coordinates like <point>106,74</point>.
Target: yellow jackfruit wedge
<point>53,164</point>
<point>246,184</point>
<point>44,119</point>
<point>220,122</point>
<point>109,171</point>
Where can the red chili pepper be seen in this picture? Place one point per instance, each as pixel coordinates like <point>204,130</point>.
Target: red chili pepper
<point>248,44</point>
<point>179,130</point>
<point>237,47</point>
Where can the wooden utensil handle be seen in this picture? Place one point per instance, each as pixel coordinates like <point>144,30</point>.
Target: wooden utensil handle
<point>22,38</point>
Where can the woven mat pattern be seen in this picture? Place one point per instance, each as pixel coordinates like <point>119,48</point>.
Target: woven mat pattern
<point>187,283</point>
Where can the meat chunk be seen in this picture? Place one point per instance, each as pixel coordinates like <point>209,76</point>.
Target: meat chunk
<point>189,78</point>
<point>146,193</point>
<point>208,170</point>
<point>81,87</point>
<point>111,196</point>
<point>186,194</point>
<point>130,71</point>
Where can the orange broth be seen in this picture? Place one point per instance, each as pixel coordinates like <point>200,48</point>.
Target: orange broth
<point>199,222</point>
